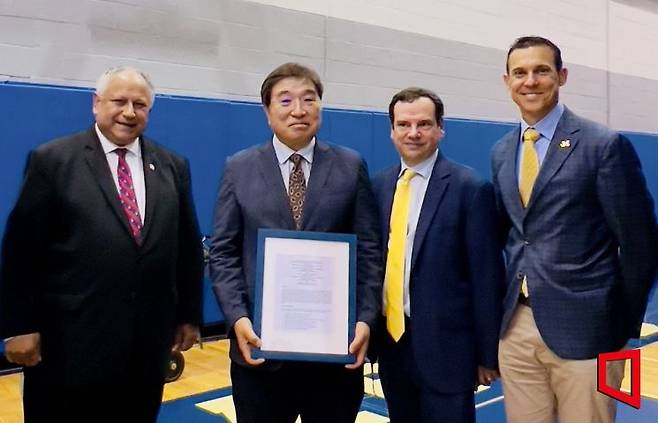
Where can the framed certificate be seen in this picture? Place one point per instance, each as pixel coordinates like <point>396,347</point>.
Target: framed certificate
<point>305,295</point>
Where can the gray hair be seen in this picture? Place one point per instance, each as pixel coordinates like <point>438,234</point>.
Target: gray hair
<point>104,79</point>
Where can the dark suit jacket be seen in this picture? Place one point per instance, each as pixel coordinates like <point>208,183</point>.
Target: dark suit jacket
<point>456,275</point>
<point>72,271</point>
<point>587,240</point>
<point>252,196</point>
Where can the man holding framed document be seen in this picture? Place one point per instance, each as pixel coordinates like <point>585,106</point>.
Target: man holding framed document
<point>305,295</point>
<point>293,183</point>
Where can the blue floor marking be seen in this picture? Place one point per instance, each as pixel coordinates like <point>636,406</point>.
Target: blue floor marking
<point>184,409</point>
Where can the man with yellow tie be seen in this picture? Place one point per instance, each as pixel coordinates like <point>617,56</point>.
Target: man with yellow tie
<point>580,242</point>
<point>438,337</point>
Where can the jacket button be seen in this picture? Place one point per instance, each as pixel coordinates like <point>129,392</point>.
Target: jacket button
<point>519,275</point>
<point>526,242</point>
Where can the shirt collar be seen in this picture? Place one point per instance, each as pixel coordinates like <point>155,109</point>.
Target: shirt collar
<point>423,168</point>
<point>283,152</point>
<point>546,126</point>
<point>109,146</point>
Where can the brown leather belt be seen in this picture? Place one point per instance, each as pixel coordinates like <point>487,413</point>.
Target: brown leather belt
<point>524,300</point>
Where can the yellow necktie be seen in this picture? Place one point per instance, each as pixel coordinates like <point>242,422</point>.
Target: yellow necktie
<point>529,165</point>
<point>394,286</point>
<point>529,171</point>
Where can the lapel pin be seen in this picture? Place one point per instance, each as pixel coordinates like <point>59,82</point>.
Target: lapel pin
<point>152,166</point>
<point>565,143</point>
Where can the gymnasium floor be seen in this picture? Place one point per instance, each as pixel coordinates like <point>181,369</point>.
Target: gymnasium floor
<point>202,394</point>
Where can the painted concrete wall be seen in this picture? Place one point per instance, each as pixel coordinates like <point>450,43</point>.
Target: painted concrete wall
<point>365,50</point>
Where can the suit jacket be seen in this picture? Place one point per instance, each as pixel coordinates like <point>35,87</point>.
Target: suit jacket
<point>586,241</point>
<point>456,274</point>
<point>253,195</point>
<point>72,271</point>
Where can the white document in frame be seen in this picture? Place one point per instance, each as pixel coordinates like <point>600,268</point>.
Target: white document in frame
<point>305,296</point>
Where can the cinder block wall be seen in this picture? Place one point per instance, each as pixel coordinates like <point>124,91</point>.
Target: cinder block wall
<point>365,50</point>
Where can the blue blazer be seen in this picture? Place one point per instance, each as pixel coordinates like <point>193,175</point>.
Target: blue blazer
<point>456,274</point>
<point>252,195</point>
<point>587,240</point>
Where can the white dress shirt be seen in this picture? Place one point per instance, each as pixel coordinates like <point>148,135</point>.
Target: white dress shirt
<point>418,188</point>
<point>283,153</point>
<point>135,163</point>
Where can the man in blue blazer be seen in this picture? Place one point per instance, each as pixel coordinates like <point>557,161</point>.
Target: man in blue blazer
<point>581,239</point>
<point>293,182</point>
<point>449,272</point>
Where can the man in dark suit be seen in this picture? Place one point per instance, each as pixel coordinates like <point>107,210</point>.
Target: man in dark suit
<point>101,265</point>
<point>258,190</point>
<point>581,240</point>
<point>444,271</point>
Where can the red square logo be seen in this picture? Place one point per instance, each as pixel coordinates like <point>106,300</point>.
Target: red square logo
<point>634,355</point>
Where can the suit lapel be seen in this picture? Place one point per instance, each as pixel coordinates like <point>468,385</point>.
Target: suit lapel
<point>271,175</point>
<point>556,154</point>
<point>509,184</point>
<point>386,206</point>
<point>151,166</point>
<point>97,162</point>
<point>436,188</point>
<point>320,170</point>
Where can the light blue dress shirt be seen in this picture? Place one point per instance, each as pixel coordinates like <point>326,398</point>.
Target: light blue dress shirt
<point>546,128</point>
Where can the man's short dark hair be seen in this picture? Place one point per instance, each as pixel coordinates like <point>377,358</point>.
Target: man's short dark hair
<point>288,70</point>
<point>534,41</point>
<point>411,94</point>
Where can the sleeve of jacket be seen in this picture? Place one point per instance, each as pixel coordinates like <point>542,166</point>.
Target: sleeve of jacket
<point>226,271</point>
<point>629,211</point>
<point>485,260</point>
<point>503,223</point>
<point>189,277</point>
<point>24,249</point>
<point>369,266</point>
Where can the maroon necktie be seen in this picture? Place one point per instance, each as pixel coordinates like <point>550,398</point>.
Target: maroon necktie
<point>297,190</point>
<point>127,195</point>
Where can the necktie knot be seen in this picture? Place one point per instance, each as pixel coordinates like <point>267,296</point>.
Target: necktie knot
<point>531,134</point>
<point>407,175</point>
<point>121,152</point>
<point>296,159</point>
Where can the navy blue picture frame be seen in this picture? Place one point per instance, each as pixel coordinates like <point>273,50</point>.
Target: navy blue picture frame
<point>351,240</point>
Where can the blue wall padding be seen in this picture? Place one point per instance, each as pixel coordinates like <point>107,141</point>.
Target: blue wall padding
<point>206,131</point>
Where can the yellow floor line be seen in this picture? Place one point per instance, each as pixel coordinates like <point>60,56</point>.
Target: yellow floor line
<point>223,407</point>
<point>648,329</point>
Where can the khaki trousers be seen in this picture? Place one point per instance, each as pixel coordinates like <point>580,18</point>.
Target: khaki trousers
<point>539,386</point>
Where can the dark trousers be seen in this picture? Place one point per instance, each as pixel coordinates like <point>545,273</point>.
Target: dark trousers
<point>128,401</point>
<point>319,393</point>
<point>131,393</point>
<point>409,400</point>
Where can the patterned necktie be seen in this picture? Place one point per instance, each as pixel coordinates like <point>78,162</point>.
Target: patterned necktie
<point>127,195</point>
<point>529,165</point>
<point>394,286</point>
<point>297,190</point>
